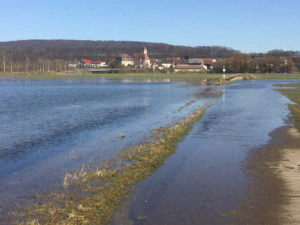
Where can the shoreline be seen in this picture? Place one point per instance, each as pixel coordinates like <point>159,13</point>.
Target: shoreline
<point>173,76</point>
<point>274,177</point>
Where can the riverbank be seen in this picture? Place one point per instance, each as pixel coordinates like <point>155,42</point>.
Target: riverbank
<point>171,76</point>
<point>273,193</point>
<point>273,169</point>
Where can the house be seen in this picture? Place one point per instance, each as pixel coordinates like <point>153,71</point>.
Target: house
<point>189,65</point>
<point>124,60</point>
<point>185,68</point>
<point>169,63</point>
<point>84,62</point>
<point>208,63</point>
<point>166,63</point>
<point>154,64</point>
<point>89,63</point>
<point>195,61</point>
<point>98,64</point>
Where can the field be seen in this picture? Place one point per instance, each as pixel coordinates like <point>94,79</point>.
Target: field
<point>173,76</point>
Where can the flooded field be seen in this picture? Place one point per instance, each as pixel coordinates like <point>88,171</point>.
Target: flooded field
<point>51,127</point>
<point>204,181</point>
<point>48,128</point>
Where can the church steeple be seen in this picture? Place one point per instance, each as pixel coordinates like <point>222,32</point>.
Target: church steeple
<point>145,51</point>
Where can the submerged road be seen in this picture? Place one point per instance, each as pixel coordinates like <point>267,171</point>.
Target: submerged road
<point>204,181</point>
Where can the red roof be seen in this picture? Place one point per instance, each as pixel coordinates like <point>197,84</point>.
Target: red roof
<point>207,61</point>
<point>86,61</point>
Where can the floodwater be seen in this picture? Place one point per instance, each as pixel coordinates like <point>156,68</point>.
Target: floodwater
<point>50,127</point>
<point>204,181</point>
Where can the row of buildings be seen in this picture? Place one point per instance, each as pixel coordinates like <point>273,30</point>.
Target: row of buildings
<point>143,61</point>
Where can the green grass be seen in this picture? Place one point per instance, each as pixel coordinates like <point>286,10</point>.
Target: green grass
<point>277,76</point>
<point>294,95</point>
<point>93,195</point>
<point>56,76</point>
<point>173,76</point>
<point>288,85</point>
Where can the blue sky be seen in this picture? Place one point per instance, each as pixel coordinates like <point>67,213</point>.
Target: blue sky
<point>246,25</point>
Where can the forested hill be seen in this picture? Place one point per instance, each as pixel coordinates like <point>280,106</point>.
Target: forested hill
<point>74,49</point>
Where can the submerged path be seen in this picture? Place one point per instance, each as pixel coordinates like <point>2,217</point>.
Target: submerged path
<point>204,181</point>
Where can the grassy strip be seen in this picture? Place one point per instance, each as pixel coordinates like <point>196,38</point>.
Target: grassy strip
<point>277,76</point>
<point>57,76</point>
<point>172,76</point>
<point>288,85</point>
<point>93,195</point>
<point>294,95</point>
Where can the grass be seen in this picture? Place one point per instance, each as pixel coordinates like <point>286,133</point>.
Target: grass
<point>93,194</point>
<point>277,76</point>
<point>172,76</point>
<point>288,85</point>
<point>57,76</point>
<point>294,95</point>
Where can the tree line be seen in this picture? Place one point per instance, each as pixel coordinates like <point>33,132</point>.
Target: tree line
<point>243,63</point>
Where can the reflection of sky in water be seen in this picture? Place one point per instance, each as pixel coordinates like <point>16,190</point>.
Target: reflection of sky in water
<point>53,126</point>
<point>204,177</point>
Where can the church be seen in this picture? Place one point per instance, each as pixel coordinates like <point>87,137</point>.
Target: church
<point>143,60</point>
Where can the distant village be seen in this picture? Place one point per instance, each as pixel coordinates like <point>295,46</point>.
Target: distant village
<point>92,60</point>
<point>141,61</point>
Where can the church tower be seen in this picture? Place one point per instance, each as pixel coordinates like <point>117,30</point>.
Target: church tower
<point>145,60</point>
<point>145,51</point>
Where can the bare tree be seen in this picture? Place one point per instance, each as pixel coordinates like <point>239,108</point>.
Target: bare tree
<point>27,62</point>
<point>11,63</point>
<point>4,62</point>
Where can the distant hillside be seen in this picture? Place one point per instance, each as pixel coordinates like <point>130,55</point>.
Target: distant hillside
<point>73,49</point>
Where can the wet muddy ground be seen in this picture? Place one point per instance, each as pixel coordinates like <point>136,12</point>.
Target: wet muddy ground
<point>269,200</point>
